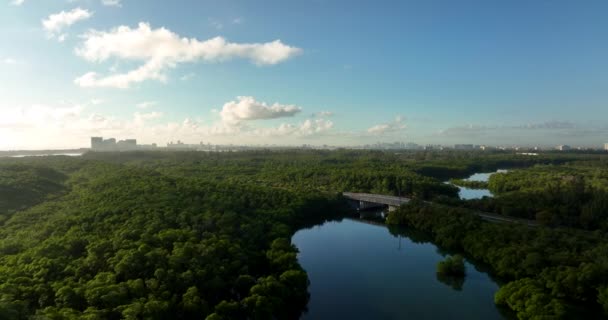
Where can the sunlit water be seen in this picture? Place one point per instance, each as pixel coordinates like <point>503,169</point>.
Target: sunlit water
<point>44,155</point>
<point>362,271</point>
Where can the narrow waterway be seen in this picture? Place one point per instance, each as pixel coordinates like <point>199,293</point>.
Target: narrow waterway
<point>469,193</point>
<point>362,271</point>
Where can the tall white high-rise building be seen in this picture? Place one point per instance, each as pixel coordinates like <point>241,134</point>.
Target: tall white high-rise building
<point>606,146</point>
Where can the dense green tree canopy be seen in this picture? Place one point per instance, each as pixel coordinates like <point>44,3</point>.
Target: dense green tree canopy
<point>193,235</point>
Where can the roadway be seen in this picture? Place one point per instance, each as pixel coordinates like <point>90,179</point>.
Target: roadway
<point>395,201</point>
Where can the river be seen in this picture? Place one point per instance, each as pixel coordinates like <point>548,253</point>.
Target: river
<point>468,193</point>
<point>359,270</point>
<point>72,154</point>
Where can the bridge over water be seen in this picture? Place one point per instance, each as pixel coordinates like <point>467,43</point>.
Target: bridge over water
<point>370,200</point>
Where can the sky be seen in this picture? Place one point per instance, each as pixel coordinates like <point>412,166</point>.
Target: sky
<point>303,72</point>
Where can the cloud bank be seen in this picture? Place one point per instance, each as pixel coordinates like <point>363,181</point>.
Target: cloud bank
<point>161,49</point>
<point>67,126</point>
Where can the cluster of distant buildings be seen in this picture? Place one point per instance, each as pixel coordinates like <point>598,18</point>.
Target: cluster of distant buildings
<point>111,144</point>
<point>471,147</point>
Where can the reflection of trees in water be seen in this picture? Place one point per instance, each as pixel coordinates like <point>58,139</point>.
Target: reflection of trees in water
<point>416,236</point>
<point>455,282</point>
<point>335,209</point>
<point>421,237</point>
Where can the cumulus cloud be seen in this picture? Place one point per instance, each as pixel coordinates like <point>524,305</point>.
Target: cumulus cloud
<point>17,2</point>
<point>111,3</point>
<point>247,108</point>
<point>390,127</point>
<point>55,23</point>
<point>161,49</point>
<point>306,128</point>
<point>67,126</point>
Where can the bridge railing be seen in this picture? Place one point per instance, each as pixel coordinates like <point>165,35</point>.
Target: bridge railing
<point>376,198</point>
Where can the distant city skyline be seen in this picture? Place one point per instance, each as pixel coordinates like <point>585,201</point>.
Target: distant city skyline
<point>236,72</point>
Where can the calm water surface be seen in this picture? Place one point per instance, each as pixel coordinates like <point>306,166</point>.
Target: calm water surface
<point>362,271</point>
<point>44,155</point>
<point>468,193</point>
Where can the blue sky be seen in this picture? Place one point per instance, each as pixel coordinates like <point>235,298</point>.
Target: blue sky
<point>342,72</point>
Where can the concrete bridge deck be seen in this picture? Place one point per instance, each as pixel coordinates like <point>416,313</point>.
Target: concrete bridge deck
<point>368,199</point>
<point>392,201</point>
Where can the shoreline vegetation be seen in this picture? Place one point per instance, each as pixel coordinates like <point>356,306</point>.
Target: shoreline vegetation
<point>552,273</point>
<point>471,184</point>
<point>206,235</point>
<point>452,266</point>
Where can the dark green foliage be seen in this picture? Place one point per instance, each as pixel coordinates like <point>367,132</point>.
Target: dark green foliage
<point>555,267</point>
<point>472,184</point>
<point>452,266</point>
<point>528,298</point>
<point>22,186</point>
<point>129,242</point>
<point>193,235</point>
<point>602,298</point>
<point>574,195</point>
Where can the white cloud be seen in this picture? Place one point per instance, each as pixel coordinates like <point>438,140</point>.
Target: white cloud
<point>111,3</point>
<point>55,23</point>
<point>390,127</point>
<point>71,125</point>
<point>146,104</point>
<point>17,2</point>
<point>161,49</point>
<point>67,126</point>
<point>9,61</point>
<point>247,108</point>
<point>306,128</point>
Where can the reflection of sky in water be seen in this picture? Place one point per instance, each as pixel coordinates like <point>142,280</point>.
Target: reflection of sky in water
<point>362,271</point>
<point>44,155</point>
<point>484,176</point>
<point>468,193</point>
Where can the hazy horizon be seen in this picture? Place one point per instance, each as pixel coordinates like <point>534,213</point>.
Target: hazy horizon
<point>307,72</point>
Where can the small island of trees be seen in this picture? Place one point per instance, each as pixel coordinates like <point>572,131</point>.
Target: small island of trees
<point>452,266</point>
